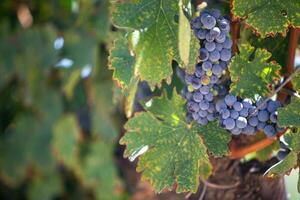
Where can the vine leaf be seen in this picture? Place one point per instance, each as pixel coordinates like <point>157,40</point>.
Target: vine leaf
<point>172,152</point>
<point>290,114</point>
<point>250,72</point>
<point>215,138</point>
<point>268,17</point>
<point>293,140</point>
<point>157,38</point>
<point>296,82</point>
<point>284,166</point>
<point>123,63</point>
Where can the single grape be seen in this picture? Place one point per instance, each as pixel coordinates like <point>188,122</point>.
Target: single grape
<point>248,130</point>
<point>261,104</point>
<point>208,21</point>
<point>215,32</point>
<point>241,122</point>
<point>209,37</point>
<point>244,112</point>
<point>219,46</point>
<point>214,56</point>
<point>223,65</point>
<point>230,99</point>
<point>253,121</point>
<point>211,117</point>
<point>202,121</point>
<point>236,131</point>
<point>196,83</point>
<point>199,72</point>
<point>216,13</point>
<point>197,97</point>
<point>238,106</point>
<point>204,105</point>
<point>202,113</point>
<point>228,43</point>
<point>225,113</point>
<point>247,103</point>
<point>204,89</point>
<point>263,115</point>
<point>193,107</point>
<point>225,54</point>
<point>196,23</point>
<point>217,70</point>
<point>273,117</point>
<point>203,54</point>
<point>205,80</point>
<point>224,25</point>
<point>211,108</point>
<point>261,126</point>
<point>209,97</point>
<point>188,78</point>
<point>220,105</point>
<point>270,131</point>
<point>221,38</point>
<point>214,79</point>
<point>273,105</point>
<point>201,34</point>
<point>210,46</point>
<point>195,116</point>
<point>206,65</point>
<point>234,114</point>
<point>229,123</point>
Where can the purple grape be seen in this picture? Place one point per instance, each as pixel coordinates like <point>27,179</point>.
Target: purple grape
<point>270,131</point>
<point>225,113</point>
<point>211,117</point>
<point>248,130</point>
<point>223,65</point>
<point>236,131</point>
<point>263,116</point>
<point>241,122</point>
<point>195,116</point>
<point>224,25</point>
<point>197,96</point>
<point>229,123</point>
<point>196,83</point>
<point>204,89</point>
<point>210,46</point>
<point>201,34</point>
<point>261,126</point>
<point>221,38</point>
<point>215,32</point>
<point>211,108</point>
<point>217,70</point>
<point>220,105</point>
<point>230,99</point>
<point>234,114</point>
<point>225,54</point>
<point>214,79</point>
<point>261,104</point>
<point>214,56</point>
<point>215,13</point>
<point>202,121</point>
<point>238,106</point>
<point>273,105</point>
<point>208,21</point>
<point>228,43</point>
<point>219,46</point>
<point>203,54</point>
<point>204,105</point>
<point>209,97</point>
<point>273,117</point>
<point>206,65</point>
<point>209,37</point>
<point>202,113</point>
<point>193,107</point>
<point>253,121</point>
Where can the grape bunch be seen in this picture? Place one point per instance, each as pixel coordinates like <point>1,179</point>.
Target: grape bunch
<point>203,85</point>
<point>243,116</point>
<point>207,90</point>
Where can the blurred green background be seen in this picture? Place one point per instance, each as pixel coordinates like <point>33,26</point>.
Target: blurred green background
<point>59,124</point>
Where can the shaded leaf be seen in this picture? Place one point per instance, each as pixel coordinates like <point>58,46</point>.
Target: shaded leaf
<point>173,151</point>
<point>296,82</point>
<point>290,114</point>
<point>216,138</point>
<point>293,140</point>
<point>157,38</point>
<point>250,72</point>
<point>284,166</point>
<point>268,17</point>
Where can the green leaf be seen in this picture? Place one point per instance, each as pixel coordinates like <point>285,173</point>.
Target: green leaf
<point>290,114</point>
<point>215,138</point>
<point>45,186</point>
<point>296,82</point>
<point>65,139</point>
<point>188,44</point>
<point>157,36</point>
<point>173,153</point>
<point>250,72</point>
<point>100,173</point>
<point>268,17</point>
<point>122,62</point>
<point>293,140</point>
<point>284,166</point>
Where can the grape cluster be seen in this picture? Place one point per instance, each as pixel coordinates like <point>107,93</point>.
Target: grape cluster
<point>243,116</point>
<point>212,30</point>
<point>206,91</point>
